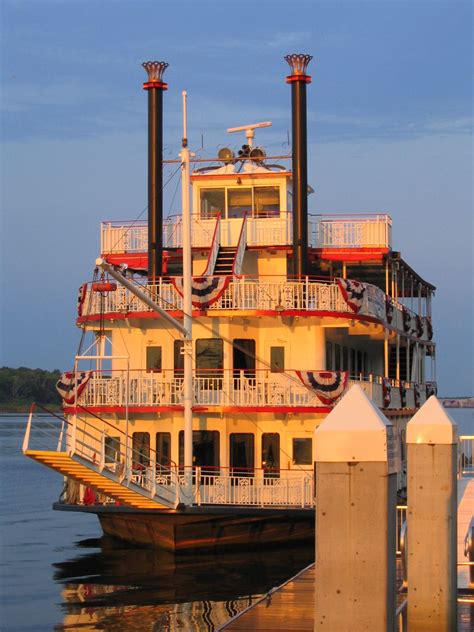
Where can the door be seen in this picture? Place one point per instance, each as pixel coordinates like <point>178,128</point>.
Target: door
<point>242,461</point>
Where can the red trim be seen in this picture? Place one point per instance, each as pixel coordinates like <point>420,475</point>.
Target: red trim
<point>288,312</point>
<point>294,78</point>
<point>70,410</point>
<point>255,312</point>
<point>241,176</point>
<point>148,85</point>
<point>352,254</point>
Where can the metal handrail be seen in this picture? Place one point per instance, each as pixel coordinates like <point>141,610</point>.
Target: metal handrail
<point>240,250</point>
<point>214,249</point>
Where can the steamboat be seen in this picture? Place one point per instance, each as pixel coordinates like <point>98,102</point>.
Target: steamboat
<point>214,342</point>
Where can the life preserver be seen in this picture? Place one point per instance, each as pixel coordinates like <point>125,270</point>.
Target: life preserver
<point>104,286</point>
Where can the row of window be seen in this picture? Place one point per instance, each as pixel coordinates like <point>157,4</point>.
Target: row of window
<point>240,201</point>
<point>210,356</point>
<point>206,450</point>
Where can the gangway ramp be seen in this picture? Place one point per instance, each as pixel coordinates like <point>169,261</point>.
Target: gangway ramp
<point>77,449</point>
<point>64,464</point>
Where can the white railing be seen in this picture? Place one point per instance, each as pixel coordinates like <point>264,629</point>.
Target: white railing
<point>283,488</point>
<point>249,293</point>
<point>121,237</point>
<point>353,231</point>
<point>241,389</point>
<point>241,246</point>
<point>466,455</point>
<point>214,251</point>
<point>324,231</point>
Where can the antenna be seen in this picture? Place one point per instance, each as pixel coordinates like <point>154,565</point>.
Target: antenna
<point>249,130</point>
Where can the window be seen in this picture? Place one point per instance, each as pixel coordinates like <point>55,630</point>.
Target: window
<point>242,454</point>
<point>205,449</point>
<point>302,451</point>
<point>277,359</point>
<point>163,448</point>
<point>140,449</point>
<point>239,202</point>
<point>112,449</point>
<point>271,454</point>
<point>337,357</point>
<point>153,358</point>
<point>266,201</point>
<point>212,203</point>
<point>243,357</point>
<point>209,355</point>
<point>178,358</point>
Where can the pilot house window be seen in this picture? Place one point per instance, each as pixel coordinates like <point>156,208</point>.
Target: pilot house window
<point>266,201</point>
<point>239,202</point>
<point>212,203</point>
<point>235,202</point>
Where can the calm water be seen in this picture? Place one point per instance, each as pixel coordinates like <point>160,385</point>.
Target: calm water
<point>58,573</point>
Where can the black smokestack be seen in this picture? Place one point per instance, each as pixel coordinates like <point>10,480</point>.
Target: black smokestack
<point>298,80</point>
<point>155,88</point>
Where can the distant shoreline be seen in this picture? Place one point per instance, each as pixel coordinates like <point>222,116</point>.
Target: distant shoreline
<point>24,409</point>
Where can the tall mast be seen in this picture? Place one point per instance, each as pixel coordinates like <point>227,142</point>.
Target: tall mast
<point>187,309</point>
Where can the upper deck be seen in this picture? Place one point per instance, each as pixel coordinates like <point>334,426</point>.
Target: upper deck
<point>371,230</point>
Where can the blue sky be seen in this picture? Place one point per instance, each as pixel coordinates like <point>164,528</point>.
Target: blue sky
<point>389,123</point>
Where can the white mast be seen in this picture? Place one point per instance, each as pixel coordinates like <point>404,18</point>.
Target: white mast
<point>187,309</point>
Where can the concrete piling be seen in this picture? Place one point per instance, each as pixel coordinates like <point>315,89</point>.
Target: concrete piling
<point>431,519</point>
<point>355,585</point>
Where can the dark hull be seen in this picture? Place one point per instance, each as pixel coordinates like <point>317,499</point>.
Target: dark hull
<point>202,528</point>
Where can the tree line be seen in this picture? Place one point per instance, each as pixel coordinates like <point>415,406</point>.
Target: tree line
<point>20,387</point>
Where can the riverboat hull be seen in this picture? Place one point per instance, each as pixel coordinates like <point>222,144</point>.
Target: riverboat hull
<point>203,528</point>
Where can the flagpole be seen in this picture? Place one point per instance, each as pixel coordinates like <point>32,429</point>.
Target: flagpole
<point>187,309</point>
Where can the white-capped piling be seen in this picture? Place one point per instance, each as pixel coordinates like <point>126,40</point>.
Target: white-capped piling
<point>431,519</point>
<point>355,518</point>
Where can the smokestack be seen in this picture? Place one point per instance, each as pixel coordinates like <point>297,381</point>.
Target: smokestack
<point>298,80</point>
<point>155,88</point>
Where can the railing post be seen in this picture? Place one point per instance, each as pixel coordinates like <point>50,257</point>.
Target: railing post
<point>102,451</point>
<point>153,474</point>
<point>432,519</point>
<point>61,435</point>
<point>72,447</point>
<point>26,439</point>
<point>356,518</point>
<point>198,484</point>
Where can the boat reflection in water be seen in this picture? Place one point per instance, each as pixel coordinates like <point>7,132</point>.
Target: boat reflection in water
<point>119,588</point>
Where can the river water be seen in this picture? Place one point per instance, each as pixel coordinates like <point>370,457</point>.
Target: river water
<point>58,573</point>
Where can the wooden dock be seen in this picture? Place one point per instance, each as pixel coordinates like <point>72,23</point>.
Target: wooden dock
<point>291,607</point>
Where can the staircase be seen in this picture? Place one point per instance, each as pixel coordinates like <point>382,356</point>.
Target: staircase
<point>225,260</point>
<point>61,462</point>
<point>60,444</point>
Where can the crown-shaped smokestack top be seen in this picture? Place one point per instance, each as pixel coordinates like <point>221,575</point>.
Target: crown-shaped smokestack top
<point>298,63</point>
<point>155,70</point>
